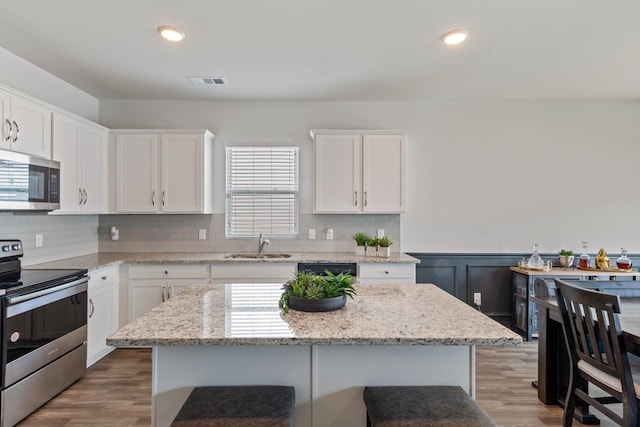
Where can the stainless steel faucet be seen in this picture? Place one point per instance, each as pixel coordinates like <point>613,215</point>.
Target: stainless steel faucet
<point>261,243</point>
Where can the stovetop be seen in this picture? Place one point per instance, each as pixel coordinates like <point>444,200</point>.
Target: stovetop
<point>31,280</point>
<point>15,280</point>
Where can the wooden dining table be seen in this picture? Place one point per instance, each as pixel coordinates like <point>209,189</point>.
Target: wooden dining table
<point>553,359</point>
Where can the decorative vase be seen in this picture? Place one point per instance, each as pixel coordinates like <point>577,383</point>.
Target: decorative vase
<point>317,305</point>
<point>566,261</point>
<point>378,251</point>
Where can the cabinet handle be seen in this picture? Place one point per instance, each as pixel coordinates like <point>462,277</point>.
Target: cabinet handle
<point>93,307</point>
<point>365,199</point>
<point>163,198</point>
<point>163,298</point>
<point>153,198</point>
<point>80,196</point>
<point>10,134</point>
<point>86,196</point>
<point>104,277</point>
<point>15,138</point>
<point>169,292</point>
<point>355,198</point>
<point>386,272</point>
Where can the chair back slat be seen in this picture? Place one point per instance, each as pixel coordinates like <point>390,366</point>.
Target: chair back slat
<point>595,336</point>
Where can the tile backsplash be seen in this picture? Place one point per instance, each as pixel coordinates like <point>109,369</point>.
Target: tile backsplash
<point>179,233</point>
<point>67,236</point>
<point>63,236</point>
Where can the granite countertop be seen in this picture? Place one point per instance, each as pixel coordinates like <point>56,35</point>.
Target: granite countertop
<point>100,260</point>
<point>248,314</point>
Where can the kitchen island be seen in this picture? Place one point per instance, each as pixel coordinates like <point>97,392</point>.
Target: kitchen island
<point>235,334</point>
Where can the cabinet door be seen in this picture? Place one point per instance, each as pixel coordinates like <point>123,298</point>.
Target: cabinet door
<point>101,322</point>
<point>384,173</point>
<point>5,125</point>
<point>93,168</point>
<point>137,173</point>
<point>337,174</point>
<point>34,125</point>
<point>144,295</point>
<point>67,140</point>
<point>182,174</point>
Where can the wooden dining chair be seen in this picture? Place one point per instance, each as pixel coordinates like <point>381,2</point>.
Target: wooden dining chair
<point>597,353</point>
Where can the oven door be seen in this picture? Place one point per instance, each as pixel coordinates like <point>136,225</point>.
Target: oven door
<point>42,326</point>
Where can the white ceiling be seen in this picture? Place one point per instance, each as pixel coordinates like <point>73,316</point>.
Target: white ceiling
<point>333,49</point>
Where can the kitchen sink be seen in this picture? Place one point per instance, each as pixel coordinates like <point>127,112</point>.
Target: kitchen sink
<point>272,255</point>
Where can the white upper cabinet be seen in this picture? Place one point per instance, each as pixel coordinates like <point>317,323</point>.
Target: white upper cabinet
<point>164,171</point>
<point>81,148</point>
<point>26,125</point>
<point>358,172</point>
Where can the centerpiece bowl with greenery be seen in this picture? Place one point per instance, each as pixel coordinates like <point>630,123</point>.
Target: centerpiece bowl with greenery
<point>311,292</point>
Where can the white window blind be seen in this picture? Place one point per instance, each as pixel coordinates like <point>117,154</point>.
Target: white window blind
<point>262,191</point>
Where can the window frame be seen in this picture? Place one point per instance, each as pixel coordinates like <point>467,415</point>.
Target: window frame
<point>230,192</point>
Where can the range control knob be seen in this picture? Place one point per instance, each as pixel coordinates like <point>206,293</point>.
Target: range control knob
<point>15,247</point>
<point>6,248</point>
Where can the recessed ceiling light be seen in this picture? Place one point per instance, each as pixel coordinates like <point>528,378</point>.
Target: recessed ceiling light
<point>454,36</point>
<point>170,33</point>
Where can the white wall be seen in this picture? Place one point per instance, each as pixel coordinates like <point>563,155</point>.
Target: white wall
<point>25,77</point>
<point>482,177</point>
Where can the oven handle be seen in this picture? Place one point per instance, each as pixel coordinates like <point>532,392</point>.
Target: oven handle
<point>32,295</point>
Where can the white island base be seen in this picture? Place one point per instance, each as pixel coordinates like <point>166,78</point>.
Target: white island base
<point>328,379</point>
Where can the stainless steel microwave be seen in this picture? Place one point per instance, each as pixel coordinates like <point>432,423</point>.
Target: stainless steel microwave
<point>28,182</point>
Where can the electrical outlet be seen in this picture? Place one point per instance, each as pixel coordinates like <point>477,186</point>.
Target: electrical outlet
<point>39,240</point>
<point>477,298</point>
<point>202,234</point>
<point>329,233</point>
<point>380,232</point>
<point>312,234</point>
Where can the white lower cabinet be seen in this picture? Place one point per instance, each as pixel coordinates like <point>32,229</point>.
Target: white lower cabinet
<point>252,272</point>
<point>387,272</point>
<point>151,285</point>
<point>103,311</point>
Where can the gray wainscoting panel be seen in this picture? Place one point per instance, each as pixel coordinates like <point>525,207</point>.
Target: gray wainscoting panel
<point>463,274</point>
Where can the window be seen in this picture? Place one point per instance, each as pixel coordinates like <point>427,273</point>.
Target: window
<point>262,191</point>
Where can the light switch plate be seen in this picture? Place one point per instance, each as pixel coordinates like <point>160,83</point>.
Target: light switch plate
<point>39,240</point>
<point>380,232</point>
<point>202,234</point>
<point>312,234</point>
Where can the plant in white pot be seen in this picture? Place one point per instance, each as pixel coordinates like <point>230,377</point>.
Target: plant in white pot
<point>379,246</point>
<point>361,242</point>
<point>566,257</point>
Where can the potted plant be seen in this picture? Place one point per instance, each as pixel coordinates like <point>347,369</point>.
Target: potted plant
<point>379,246</point>
<point>566,257</point>
<point>361,242</point>
<point>311,292</point>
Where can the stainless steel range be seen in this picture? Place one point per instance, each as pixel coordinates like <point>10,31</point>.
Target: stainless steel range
<point>44,330</point>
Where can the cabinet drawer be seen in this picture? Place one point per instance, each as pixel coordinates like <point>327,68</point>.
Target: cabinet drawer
<point>253,271</point>
<point>103,276</point>
<point>169,271</point>
<point>386,270</point>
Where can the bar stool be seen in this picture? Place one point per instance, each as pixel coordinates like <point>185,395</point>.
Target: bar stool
<point>238,406</point>
<point>422,406</point>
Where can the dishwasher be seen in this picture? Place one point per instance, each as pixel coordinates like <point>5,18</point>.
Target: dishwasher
<point>333,267</point>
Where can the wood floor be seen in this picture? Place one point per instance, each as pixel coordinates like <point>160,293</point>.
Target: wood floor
<point>117,392</point>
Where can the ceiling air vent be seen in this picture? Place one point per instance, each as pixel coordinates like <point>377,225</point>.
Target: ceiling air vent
<point>199,81</point>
